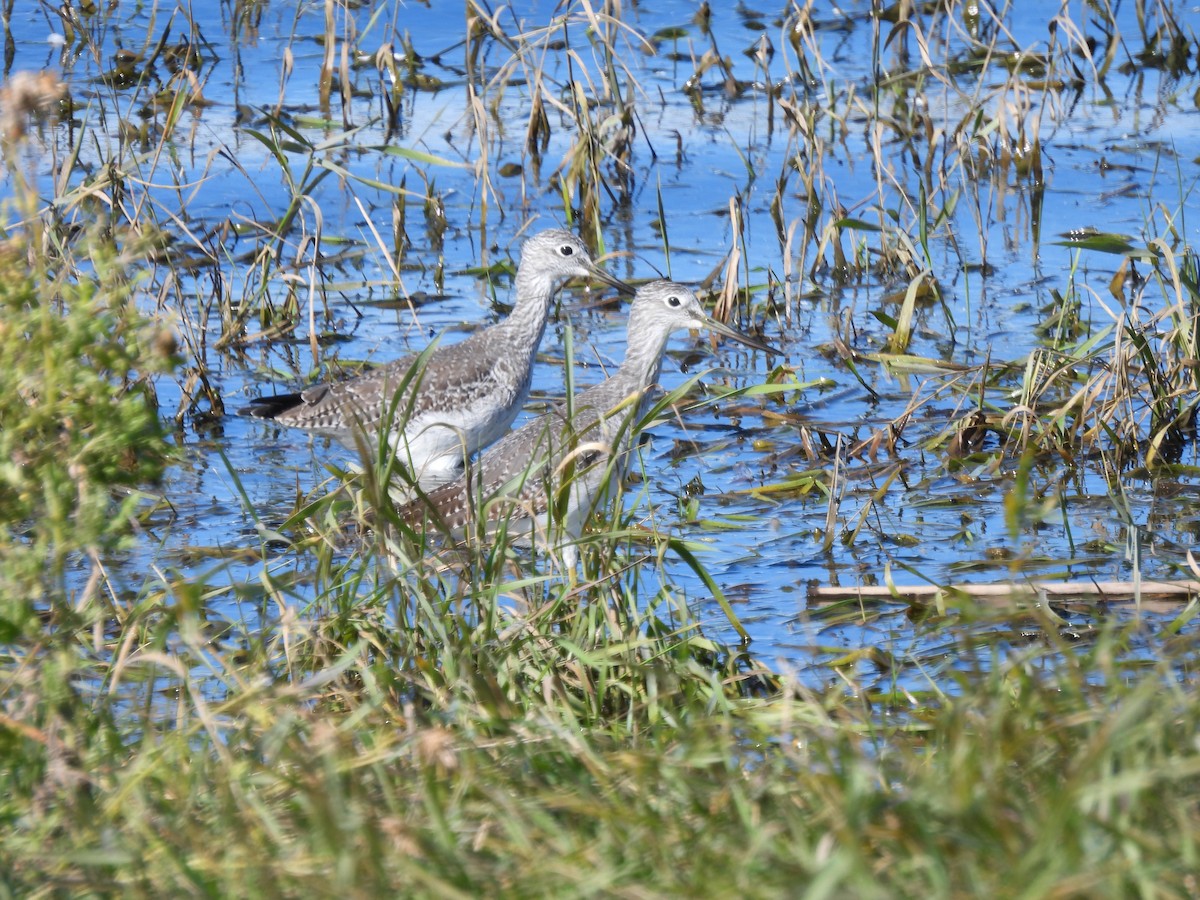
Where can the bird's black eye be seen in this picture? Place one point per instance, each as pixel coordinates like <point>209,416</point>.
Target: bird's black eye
<point>673,301</point>
<point>566,250</point>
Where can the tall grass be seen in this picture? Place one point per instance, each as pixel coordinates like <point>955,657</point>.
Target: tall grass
<point>568,749</point>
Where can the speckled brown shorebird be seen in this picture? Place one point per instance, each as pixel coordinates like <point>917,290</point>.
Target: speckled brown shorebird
<point>583,444</point>
<point>464,395</point>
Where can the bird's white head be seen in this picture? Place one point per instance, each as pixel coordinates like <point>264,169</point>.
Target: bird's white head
<point>558,256</point>
<point>666,306</point>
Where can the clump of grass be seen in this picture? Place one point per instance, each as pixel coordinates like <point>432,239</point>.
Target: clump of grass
<point>347,750</point>
<point>78,416</point>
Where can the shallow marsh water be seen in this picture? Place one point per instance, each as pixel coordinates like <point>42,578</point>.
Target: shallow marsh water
<point>1117,154</point>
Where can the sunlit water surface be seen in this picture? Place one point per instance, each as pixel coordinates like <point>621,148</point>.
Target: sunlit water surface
<point>938,522</point>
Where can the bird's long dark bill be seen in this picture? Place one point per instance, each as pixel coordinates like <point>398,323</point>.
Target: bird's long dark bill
<point>725,331</point>
<point>613,281</point>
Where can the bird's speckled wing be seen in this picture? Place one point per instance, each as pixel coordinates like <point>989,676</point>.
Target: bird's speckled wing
<point>458,376</point>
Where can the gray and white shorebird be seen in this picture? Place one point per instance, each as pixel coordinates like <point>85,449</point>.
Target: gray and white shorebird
<point>571,457</point>
<point>449,403</point>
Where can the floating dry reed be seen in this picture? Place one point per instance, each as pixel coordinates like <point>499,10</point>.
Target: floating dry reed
<point>1107,591</point>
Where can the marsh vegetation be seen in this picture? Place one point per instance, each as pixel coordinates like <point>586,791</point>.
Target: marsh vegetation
<point>227,666</point>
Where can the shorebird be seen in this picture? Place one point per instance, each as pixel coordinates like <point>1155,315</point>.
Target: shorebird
<point>569,458</point>
<point>445,405</point>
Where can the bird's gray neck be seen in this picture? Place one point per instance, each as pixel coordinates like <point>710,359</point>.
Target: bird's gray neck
<point>644,350</point>
<point>534,293</point>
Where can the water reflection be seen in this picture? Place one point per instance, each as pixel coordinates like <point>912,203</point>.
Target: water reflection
<point>408,197</point>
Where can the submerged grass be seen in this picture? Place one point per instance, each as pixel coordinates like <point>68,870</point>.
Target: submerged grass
<point>358,714</point>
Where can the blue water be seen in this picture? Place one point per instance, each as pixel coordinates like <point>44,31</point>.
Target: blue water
<point>691,157</point>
